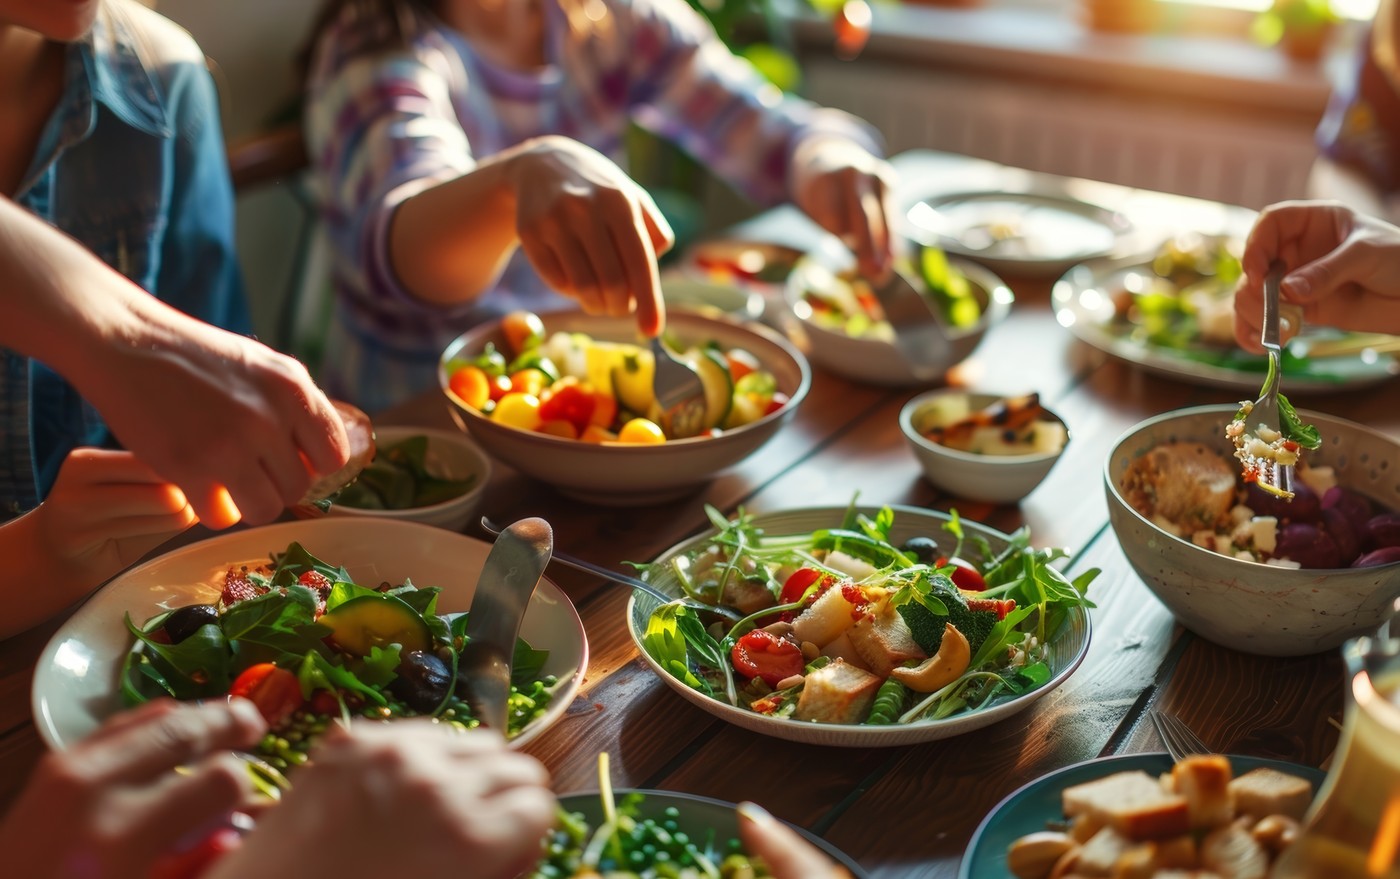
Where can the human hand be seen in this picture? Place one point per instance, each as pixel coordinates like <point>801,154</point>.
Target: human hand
<point>590,231</point>
<point>412,798</point>
<point>105,511</point>
<point>847,191</point>
<point>1343,269</point>
<point>114,804</point>
<point>239,427</point>
<point>786,853</point>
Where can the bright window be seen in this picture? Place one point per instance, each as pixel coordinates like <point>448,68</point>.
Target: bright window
<point>1362,9</point>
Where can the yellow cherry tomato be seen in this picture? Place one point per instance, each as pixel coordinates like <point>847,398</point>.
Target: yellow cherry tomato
<point>518,410</point>
<point>641,431</point>
<point>529,381</point>
<point>595,434</point>
<point>559,427</point>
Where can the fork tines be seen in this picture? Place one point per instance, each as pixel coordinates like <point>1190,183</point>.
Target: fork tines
<point>1177,736</point>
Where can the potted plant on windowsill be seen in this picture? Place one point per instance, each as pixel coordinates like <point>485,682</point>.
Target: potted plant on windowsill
<point>1301,28</point>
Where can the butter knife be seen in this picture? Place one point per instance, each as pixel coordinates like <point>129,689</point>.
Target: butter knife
<point>512,571</point>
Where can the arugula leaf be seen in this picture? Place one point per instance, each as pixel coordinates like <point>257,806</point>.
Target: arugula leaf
<point>318,673</point>
<point>277,622</point>
<point>381,666</point>
<point>196,667</point>
<point>1292,427</point>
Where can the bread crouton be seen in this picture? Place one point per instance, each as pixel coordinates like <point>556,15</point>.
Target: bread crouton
<point>1133,803</point>
<point>837,693</point>
<point>884,642</point>
<point>1204,780</point>
<point>1265,791</point>
<point>1233,853</point>
<point>834,611</point>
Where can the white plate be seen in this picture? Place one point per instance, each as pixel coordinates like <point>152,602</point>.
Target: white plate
<point>75,680</point>
<point>1067,647</point>
<point>1020,232</point>
<point>1084,303</point>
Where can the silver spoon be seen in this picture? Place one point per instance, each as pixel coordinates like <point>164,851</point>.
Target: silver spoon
<point>579,564</point>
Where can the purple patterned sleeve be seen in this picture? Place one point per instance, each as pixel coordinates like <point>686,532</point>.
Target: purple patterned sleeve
<point>689,88</point>
<point>380,130</point>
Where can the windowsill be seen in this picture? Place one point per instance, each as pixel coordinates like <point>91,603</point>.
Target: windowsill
<point>1047,46</point>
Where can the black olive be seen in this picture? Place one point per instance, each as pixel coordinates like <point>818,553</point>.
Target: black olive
<point>185,621</point>
<point>925,549</point>
<point>423,681</point>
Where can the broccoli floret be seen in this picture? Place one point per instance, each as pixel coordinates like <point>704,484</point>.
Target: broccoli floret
<point>927,627</point>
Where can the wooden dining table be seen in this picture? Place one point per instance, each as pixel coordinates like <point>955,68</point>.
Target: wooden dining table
<point>906,811</point>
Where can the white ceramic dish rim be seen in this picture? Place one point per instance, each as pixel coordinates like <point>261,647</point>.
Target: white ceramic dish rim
<point>95,615</point>
<point>1115,222</point>
<point>1223,409</point>
<point>482,469</point>
<point>906,422</point>
<point>850,734</point>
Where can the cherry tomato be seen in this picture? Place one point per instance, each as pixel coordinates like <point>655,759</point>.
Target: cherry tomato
<point>193,861</point>
<point>852,26</point>
<point>523,330</point>
<point>797,583</point>
<point>778,401</point>
<point>641,431</point>
<point>275,691</point>
<point>500,386</point>
<point>964,575</point>
<point>529,381</point>
<point>325,703</point>
<point>595,434</point>
<point>471,385</point>
<point>604,409</point>
<point>569,400</point>
<point>518,410</point>
<point>741,363</point>
<point>761,654</point>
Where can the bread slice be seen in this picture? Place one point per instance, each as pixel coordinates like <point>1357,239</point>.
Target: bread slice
<point>1264,791</point>
<point>1133,803</point>
<point>1204,780</point>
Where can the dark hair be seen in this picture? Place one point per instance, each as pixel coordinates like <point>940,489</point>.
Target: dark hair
<point>381,24</point>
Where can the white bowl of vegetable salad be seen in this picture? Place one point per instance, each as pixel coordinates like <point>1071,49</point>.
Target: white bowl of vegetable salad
<point>865,626</point>
<point>436,477</point>
<point>1247,570</point>
<point>835,319</point>
<point>566,398</point>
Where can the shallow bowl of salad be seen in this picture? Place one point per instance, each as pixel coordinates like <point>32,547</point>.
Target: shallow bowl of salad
<point>436,477</point>
<point>836,320</point>
<point>313,619</point>
<point>1244,568</point>
<point>988,447</point>
<point>566,398</point>
<point>862,626</point>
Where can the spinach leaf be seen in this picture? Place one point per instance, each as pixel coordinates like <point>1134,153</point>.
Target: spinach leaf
<point>527,663</point>
<point>297,560</point>
<point>343,590</point>
<point>318,673</point>
<point>1292,427</point>
<point>664,643</point>
<point>196,667</point>
<point>277,622</point>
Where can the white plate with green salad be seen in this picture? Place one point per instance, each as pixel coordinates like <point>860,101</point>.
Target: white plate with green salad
<point>865,626</point>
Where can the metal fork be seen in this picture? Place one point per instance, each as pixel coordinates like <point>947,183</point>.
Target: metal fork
<point>1272,477</point>
<point>679,392</point>
<point>1177,736</point>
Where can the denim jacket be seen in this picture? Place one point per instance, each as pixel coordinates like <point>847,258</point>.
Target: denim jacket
<point>132,164</point>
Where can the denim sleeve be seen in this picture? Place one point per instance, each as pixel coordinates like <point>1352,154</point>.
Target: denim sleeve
<point>199,271</point>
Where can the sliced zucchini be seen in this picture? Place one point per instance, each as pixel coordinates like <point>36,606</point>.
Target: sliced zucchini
<point>369,621</point>
<point>713,370</point>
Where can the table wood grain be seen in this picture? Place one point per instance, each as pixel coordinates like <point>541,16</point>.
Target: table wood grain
<point>906,811</point>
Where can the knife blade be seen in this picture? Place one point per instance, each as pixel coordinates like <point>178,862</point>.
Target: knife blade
<point>508,578</point>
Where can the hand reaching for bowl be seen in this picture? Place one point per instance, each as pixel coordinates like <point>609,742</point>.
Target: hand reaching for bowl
<point>1343,269</point>
<point>847,191</point>
<point>787,854</point>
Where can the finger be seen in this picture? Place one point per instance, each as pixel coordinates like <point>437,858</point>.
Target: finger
<point>163,527</point>
<point>639,268</point>
<point>499,773</point>
<point>93,466</point>
<point>520,816</point>
<point>287,475</point>
<point>877,223</point>
<point>578,268</point>
<point>214,505</point>
<point>787,854</point>
<point>602,249</point>
<point>856,222</point>
<point>141,714</point>
<point>180,804</point>
<point>320,433</point>
<point>663,238</point>
<point>141,751</point>
<point>253,494</point>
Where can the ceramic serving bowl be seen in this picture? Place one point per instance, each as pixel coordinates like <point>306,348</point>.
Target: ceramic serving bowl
<point>870,358</point>
<point>1247,605</point>
<point>711,297</point>
<point>614,474</point>
<point>450,455</point>
<point>1002,479</point>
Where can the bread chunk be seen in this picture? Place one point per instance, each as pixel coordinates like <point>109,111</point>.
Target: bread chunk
<point>837,693</point>
<point>1189,485</point>
<point>1233,853</point>
<point>1204,780</point>
<point>1264,791</point>
<point>884,642</point>
<point>1133,803</point>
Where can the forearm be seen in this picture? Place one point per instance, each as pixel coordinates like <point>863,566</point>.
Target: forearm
<point>450,242</point>
<point>37,583</point>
